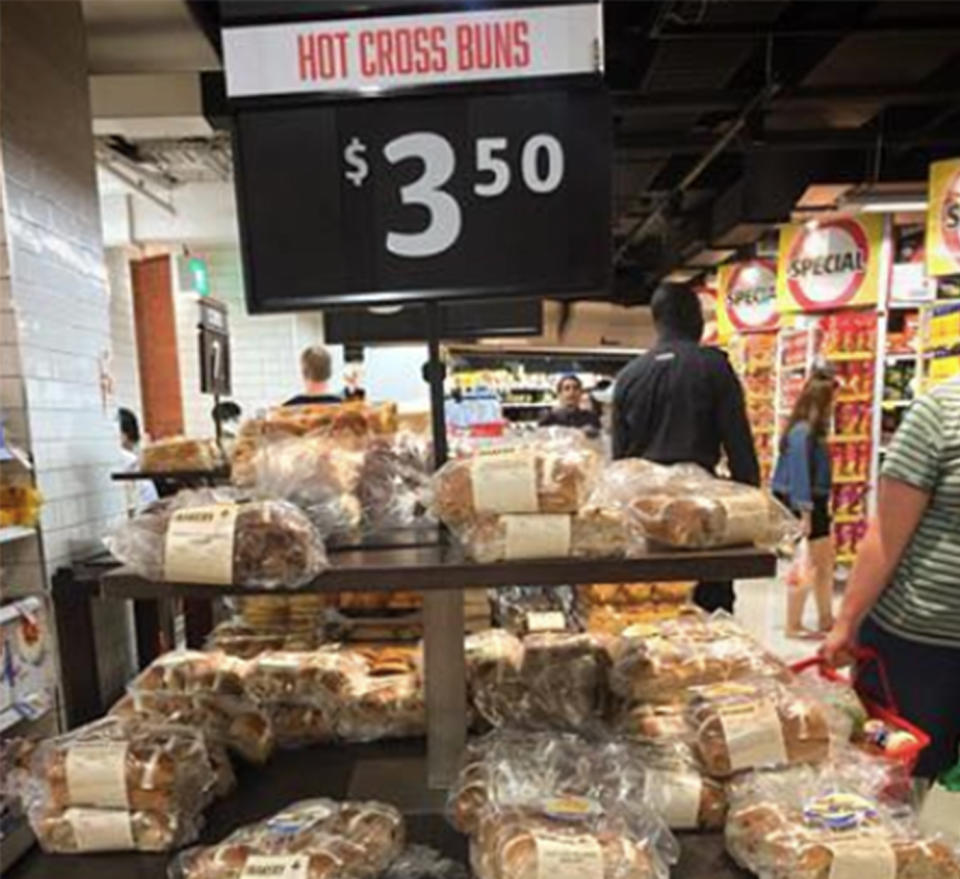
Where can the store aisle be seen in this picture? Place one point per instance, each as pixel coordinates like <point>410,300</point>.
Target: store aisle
<point>762,609</point>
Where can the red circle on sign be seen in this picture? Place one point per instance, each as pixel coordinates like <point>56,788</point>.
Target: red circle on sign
<point>766,267</point>
<point>855,231</point>
<point>951,237</point>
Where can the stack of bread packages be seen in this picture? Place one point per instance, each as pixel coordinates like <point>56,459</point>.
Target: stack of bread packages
<point>310,839</point>
<point>682,506</point>
<point>537,805</point>
<point>528,499</point>
<point>114,785</point>
<point>355,693</point>
<point>347,465</point>
<point>612,608</point>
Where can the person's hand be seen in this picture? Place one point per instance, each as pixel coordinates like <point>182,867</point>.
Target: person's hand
<point>837,648</point>
<point>806,523</point>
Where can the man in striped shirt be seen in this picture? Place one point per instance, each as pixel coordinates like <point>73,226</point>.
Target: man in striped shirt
<point>904,589</point>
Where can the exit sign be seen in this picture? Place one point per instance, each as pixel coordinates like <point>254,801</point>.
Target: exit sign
<point>194,275</point>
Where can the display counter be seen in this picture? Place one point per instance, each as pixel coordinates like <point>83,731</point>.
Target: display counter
<point>395,772</point>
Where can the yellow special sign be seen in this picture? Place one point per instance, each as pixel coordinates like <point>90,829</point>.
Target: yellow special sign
<point>943,219</point>
<point>747,298</point>
<point>833,264</point>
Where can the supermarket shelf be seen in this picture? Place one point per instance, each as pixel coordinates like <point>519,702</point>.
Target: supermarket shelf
<point>849,480</point>
<point>761,431</point>
<point>16,841</point>
<point>793,367</point>
<point>25,714</point>
<point>896,404</point>
<point>901,357</point>
<point>854,398</point>
<point>847,356</point>
<point>846,518</point>
<point>444,568</point>
<point>16,532</point>
<point>846,558</point>
<point>850,438</point>
<point>527,405</point>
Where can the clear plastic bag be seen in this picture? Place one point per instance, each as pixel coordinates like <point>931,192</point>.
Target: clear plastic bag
<point>552,470</point>
<point>756,724</point>
<point>520,609</point>
<point>591,533</point>
<point>299,724</point>
<point>319,677</point>
<point>81,830</point>
<point>327,839</point>
<point>210,688</point>
<point>547,681</point>
<point>394,481</point>
<point>236,637</point>
<point>828,821</point>
<point>130,765</point>
<point>421,862</point>
<point>209,536</point>
<point>387,707</point>
<point>178,454</point>
<point>684,507</point>
<point>656,663</point>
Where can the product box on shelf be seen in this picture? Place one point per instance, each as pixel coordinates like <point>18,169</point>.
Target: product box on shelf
<point>27,661</point>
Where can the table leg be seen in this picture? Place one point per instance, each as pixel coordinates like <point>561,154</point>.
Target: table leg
<point>198,621</point>
<point>77,648</point>
<point>153,625</point>
<point>446,687</point>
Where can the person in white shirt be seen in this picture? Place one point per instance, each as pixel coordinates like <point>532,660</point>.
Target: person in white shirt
<point>140,492</point>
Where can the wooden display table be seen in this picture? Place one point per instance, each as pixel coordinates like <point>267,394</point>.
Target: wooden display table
<point>442,573</point>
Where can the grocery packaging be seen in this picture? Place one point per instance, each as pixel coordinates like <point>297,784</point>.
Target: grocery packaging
<point>208,536</point>
<point>178,454</point>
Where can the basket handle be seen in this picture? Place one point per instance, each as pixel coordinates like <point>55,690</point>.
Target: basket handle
<point>863,656</point>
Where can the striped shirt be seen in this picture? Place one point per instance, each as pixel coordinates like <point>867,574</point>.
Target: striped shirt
<point>922,603</point>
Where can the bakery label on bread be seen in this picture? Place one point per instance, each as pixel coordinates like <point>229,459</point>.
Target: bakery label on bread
<point>568,857</point>
<point>505,483</point>
<point>754,735</point>
<point>199,545</point>
<point>276,867</point>
<point>675,795</point>
<point>537,536</point>
<point>101,830</point>
<point>863,856</point>
<point>97,774</point>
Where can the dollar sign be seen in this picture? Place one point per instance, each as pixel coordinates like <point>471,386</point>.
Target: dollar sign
<point>353,156</point>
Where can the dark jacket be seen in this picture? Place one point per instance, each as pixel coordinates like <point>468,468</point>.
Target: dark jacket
<point>682,402</point>
<point>313,400</point>
<point>567,416</point>
<point>803,468</point>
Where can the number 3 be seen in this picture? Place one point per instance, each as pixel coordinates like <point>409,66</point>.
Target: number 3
<point>445,217</point>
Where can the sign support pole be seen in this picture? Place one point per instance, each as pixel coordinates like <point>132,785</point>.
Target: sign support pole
<point>443,616</point>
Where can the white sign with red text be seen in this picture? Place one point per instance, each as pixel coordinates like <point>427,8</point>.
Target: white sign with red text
<point>372,54</point>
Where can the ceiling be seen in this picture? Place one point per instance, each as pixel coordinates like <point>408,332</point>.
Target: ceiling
<point>725,111</point>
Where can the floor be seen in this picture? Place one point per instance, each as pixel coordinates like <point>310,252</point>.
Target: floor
<point>762,608</point>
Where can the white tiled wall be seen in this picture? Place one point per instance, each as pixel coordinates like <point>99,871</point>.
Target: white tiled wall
<point>58,290</point>
<point>123,342</point>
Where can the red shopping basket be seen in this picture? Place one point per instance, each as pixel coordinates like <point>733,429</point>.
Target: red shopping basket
<point>882,706</point>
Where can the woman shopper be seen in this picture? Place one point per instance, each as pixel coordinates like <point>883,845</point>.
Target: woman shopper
<point>801,480</point>
<point>903,596</point>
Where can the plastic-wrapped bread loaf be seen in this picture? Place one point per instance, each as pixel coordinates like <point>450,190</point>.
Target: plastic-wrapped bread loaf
<point>591,533</point>
<point>178,454</point>
<point>235,723</point>
<point>320,677</point>
<point>760,724</point>
<point>297,725</point>
<point>208,537</point>
<point>830,821</point>
<point>193,671</point>
<point>553,472</point>
<point>118,764</point>
<point>78,830</point>
<point>391,706</point>
<point>648,721</point>
<point>685,507</point>
<point>314,839</point>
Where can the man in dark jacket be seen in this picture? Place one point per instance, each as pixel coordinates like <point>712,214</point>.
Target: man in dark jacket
<point>682,402</point>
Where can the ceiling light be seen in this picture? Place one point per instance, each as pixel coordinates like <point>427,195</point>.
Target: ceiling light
<point>886,202</point>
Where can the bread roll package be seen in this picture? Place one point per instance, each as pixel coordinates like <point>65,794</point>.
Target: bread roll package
<point>739,725</point>
<point>81,830</point>
<point>684,507</point>
<point>591,533</point>
<point>179,454</point>
<point>234,723</point>
<point>311,839</point>
<point>830,822</point>
<point>552,471</point>
<point>657,662</point>
<point>549,680</point>
<point>387,707</point>
<point>210,536</point>
<point>129,765</point>
<point>394,481</point>
<point>321,677</point>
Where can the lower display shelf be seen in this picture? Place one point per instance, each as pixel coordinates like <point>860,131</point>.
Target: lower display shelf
<point>395,772</point>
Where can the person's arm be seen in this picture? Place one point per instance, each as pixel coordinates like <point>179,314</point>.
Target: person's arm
<point>910,474</point>
<point>900,507</point>
<point>621,435</point>
<point>735,435</point>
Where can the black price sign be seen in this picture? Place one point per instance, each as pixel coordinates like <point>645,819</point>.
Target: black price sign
<point>413,199</point>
